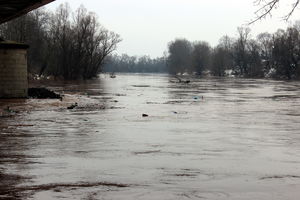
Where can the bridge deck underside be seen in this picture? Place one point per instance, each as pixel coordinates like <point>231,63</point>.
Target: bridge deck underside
<point>10,9</point>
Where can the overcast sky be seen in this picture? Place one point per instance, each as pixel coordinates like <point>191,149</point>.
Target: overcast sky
<point>146,26</point>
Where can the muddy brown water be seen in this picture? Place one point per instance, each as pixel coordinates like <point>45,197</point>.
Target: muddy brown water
<point>235,139</point>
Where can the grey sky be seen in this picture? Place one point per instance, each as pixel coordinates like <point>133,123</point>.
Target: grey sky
<point>146,26</point>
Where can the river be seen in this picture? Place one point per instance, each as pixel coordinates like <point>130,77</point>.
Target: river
<point>214,138</point>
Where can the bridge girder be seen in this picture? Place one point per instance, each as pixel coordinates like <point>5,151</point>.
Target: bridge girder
<point>11,9</point>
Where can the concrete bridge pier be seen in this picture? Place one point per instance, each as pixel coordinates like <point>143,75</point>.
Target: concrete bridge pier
<point>13,70</point>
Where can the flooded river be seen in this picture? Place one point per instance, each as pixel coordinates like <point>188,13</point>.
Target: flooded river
<point>216,139</point>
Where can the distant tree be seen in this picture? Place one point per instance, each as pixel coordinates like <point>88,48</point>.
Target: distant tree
<point>179,56</point>
<point>265,43</point>
<point>255,65</point>
<point>222,56</point>
<point>127,63</point>
<point>296,26</point>
<point>218,62</point>
<point>240,51</point>
<point>133,64</point>
<point>221,60</point>
<point>226,42</point>
<point>201,57</point>
<point>285,54</point>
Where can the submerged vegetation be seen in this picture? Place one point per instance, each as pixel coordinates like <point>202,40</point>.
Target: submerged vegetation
<point>269,55</point>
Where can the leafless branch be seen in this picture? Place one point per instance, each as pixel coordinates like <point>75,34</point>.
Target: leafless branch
<point>266,7</point>
<point>294,6</point>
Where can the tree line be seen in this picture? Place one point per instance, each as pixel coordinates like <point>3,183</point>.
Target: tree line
<point>135,64</point>
<point>63,43</point>
<point>74,45</point>
<point>274,55</point>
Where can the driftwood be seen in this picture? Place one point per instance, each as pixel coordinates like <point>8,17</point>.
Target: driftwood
<point>182,81</point>
<point>112,75</point>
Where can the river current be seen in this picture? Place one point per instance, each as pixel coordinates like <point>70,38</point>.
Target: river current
<point>214,138</point>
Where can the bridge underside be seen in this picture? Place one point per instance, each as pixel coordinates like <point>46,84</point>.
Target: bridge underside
<point>10,9</point>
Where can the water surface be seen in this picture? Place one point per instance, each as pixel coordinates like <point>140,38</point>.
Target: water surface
<point>236,139</point>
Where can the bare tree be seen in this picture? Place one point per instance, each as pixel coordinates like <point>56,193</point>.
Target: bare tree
<point>222,58</point>
<point>226,42</point>
<point>240,51</point>
<point>286,53</point>
<point>201,56</point>
<point>219,61</point>
<point>63,44</point>
<point>60,42</point>
<point>266,7</point>
<point>254,68</point>
<point>179,58</point>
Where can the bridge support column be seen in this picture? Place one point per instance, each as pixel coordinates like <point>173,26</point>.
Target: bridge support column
<point>13,70</point>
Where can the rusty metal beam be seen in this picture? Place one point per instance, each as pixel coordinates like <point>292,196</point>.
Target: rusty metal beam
<point>11,9</point>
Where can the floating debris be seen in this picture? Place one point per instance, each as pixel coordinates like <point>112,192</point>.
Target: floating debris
<point>182,81</point>
<point>141,86</point>
<point>72,106</point>
<point>279,177</point>
<point>147,152</point>
<point>112,75</point>
<point>9,110</point>
<point>185,175</point>
<point>149,102</point>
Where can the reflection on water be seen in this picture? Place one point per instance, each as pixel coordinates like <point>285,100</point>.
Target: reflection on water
<point>210,139</point>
